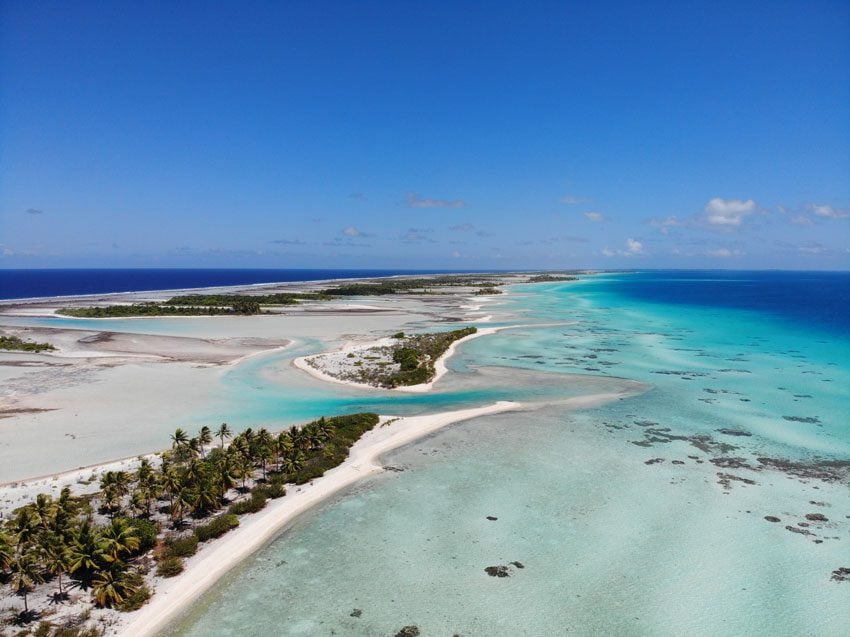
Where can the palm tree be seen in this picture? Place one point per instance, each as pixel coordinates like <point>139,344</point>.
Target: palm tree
<point>63,519</point>
<point>195,471</point>
<point>43,509</point>
<point>172,483</point>
<point>6,551</point>
<point>112,586</point>
<point>183,502</point>
<point>314,436</point>
<point>114,486</point>
<point>264,453</point>
<point>145,474</point>
<point>86,553</point>
<point>194,448</point>
<point>241,446</point>
<point>244,468</point>
<point>227,474</point>
<point>25,574</point>
<point>205,498</point>
<point>57,561</point>
<point>25,525</point>
<point>284,446</point>
<point>325,427</point>
<point>205,438</point>
<point>179,439</point>
<point>223,432</point>
<point>293,463</point>
<point>117,540</point>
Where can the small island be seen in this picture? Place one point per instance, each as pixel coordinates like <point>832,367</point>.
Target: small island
<point>400,361</point>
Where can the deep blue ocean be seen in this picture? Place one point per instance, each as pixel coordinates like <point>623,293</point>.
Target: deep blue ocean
<point>816,299</point>
<point>22,284</point>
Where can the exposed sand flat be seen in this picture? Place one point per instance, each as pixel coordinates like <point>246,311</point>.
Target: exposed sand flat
<point>216,558</point>
<point>123,393</point>
<point>71,343</point>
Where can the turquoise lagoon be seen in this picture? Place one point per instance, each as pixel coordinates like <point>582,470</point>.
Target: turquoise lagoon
<point>645,516</point>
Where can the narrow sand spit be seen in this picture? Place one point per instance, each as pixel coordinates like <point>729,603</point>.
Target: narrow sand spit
<point>215,559</point>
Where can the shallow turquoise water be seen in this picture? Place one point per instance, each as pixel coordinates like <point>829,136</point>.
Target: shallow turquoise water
<point>609,544</point>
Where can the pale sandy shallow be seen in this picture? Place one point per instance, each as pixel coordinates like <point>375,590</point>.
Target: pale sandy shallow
<point>90,403</point>
<point>215,559</point>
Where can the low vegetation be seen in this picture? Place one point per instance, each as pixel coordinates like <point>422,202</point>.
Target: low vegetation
<point>104,544</point>
<point>551,278</point>
<point>408,360</point>
<point>13,343</point>
<point>157,309</point>
<point>227,300</point>
<point>423,285</point>
<point>249,304</point>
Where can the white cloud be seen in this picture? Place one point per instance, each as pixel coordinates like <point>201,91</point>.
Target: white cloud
<point>594,216</point>
<point>802,220</point>
<point>570,200</point>
<point>728,212</point>
<point>417,235</point>
<point>665,224</point>
<point>415,201</point>
<point>351,231</point>
<point>633,248</point>
<point>464,227</point>
<point>287,242</point>
<point>456,254</point>
<point>829,211</point>
<point>724,253</point>
<point>812,247</point>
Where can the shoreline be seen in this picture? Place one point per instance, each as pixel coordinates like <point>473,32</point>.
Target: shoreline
<point>172,596</point>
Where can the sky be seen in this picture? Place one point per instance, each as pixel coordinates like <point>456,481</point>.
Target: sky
<point>451,135</point>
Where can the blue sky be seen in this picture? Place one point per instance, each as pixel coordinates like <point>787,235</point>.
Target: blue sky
<point>425,134</point>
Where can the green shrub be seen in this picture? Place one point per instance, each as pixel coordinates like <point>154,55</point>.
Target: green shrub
<point>253,504</point>
<point>398,335</point>
<point>278,477</point>
<point>70,631</point>
<point>43,629</point>
<point>147,532</point>
<point>170,566</point>
<point>272,490</point>
<point>135,600</point>
<point>217,527</point>
<point>182,547</point>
